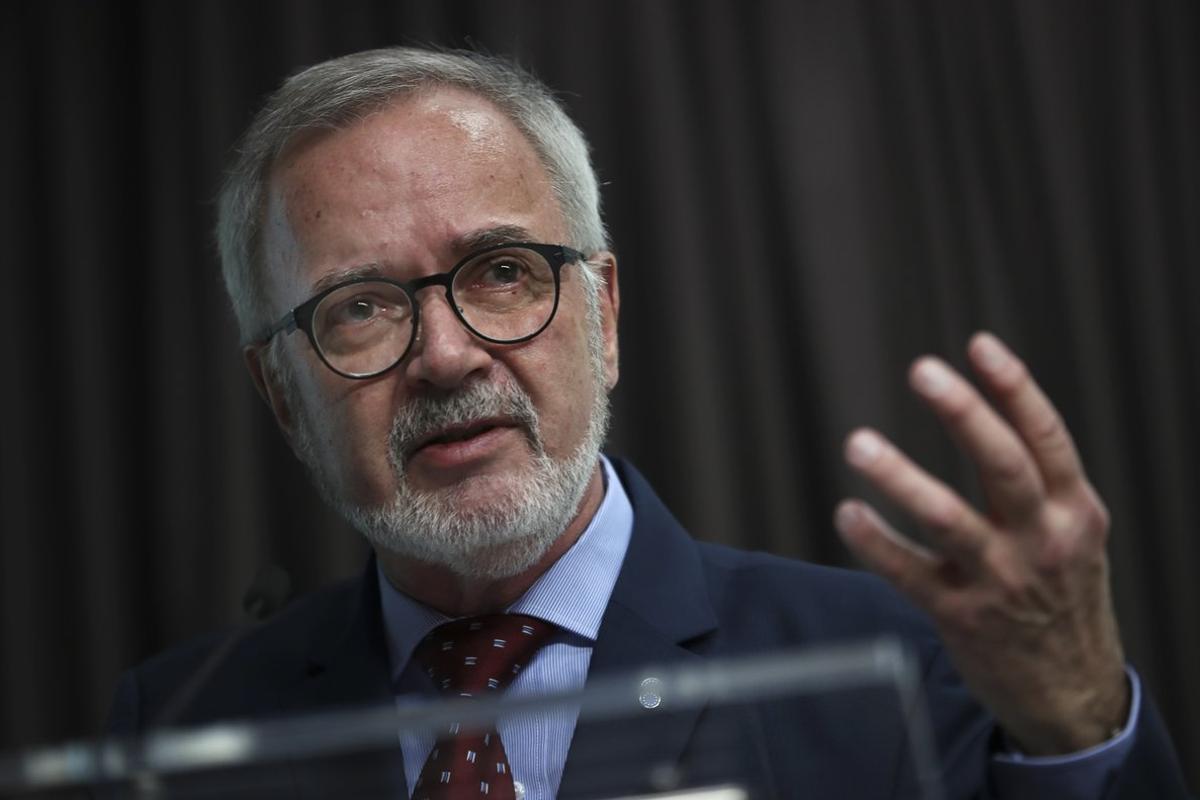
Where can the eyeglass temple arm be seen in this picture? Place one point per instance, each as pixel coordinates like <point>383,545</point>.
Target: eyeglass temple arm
<point>285,325</point>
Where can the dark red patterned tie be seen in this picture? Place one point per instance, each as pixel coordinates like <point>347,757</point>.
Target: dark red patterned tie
<point>467,658</point>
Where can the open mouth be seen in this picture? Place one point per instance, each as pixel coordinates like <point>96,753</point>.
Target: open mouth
<point>457,434</point>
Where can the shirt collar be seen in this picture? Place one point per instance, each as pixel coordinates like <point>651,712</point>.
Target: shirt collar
<point>572,593</point>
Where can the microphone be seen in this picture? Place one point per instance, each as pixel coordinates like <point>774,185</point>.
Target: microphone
<point>268,593</point>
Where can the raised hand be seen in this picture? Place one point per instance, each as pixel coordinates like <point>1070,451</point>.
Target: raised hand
<point>1019,590</point>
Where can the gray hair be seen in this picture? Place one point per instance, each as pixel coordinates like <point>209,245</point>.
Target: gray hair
<point>336,93</point>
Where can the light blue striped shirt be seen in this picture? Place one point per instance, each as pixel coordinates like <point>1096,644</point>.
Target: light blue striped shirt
<point>572,594</point>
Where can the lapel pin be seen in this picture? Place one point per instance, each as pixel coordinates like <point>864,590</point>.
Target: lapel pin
<point>650,693</point>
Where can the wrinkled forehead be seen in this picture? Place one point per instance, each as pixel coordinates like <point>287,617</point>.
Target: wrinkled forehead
<point>424,140</point>
<point>402,184</point>
<point>475,118</point>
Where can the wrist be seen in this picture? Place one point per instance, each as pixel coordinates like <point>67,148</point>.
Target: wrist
<point>1088,720</point>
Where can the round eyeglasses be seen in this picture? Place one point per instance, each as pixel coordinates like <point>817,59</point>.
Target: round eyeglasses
<point>362,327</point>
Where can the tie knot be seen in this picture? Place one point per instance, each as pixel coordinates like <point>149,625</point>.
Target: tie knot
<point>481,654</point>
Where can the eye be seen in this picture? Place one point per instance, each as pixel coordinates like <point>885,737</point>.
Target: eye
<point>359,310</point>
<point>361,305</point>
<point>353,311</point>
<point>502,272</point>
<point>504,279</point>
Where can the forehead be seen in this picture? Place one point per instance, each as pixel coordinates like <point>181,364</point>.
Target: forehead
<point>401,186</point>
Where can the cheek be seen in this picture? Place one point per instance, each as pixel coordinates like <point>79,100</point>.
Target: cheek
<point>350,422</point>
<point>559,377</point>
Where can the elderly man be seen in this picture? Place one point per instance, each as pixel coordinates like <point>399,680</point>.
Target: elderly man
<point>413,246</point>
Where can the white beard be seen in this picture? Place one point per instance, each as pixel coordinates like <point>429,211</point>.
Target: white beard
<point>523,514</point>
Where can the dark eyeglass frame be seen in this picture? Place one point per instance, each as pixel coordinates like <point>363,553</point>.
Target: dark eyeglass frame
<point>301,317</point>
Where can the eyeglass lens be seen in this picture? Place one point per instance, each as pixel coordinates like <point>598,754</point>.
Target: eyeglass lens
<point>502,295</point>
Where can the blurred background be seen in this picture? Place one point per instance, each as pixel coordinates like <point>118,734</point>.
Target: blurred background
<point>803,197</point>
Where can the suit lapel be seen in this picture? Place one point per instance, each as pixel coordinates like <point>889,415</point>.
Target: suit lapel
<point>658,615</point>
<point>659,611</point>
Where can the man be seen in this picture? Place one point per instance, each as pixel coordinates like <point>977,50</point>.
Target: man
<point>413,247</point>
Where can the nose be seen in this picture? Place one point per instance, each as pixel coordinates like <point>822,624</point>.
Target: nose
<point>445,354</point>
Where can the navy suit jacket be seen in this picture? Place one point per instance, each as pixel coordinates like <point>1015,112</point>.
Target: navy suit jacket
<point>677,601</point>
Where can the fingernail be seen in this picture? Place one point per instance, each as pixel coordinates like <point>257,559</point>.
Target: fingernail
<point>846,517</point>
<point>932,378</point>
<point>989,351</point>
<point>863,448</point>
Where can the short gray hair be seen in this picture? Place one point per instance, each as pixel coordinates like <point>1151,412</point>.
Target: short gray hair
<point>336,93</point>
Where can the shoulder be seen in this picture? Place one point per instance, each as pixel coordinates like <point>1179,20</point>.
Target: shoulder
<point>259,659</point>
<point>797,602</point>
<point>284,636</point>
<point>757,600</point>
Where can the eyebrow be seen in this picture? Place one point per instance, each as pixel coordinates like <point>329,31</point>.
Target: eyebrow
<point>464,244</point>
<point>342,275</point>
<point>490,237</point>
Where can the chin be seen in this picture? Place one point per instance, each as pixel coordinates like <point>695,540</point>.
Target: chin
<point>484,526</point>
<point>498,561</point>
<point>489,542</point>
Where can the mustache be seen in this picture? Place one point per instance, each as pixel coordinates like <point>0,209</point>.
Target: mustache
<point>427,415</point>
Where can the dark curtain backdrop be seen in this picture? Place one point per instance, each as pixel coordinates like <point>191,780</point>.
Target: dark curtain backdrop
<point>803,195</point>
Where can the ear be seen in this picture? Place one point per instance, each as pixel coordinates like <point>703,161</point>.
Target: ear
<point>270,388</point>
<point>610,310</point>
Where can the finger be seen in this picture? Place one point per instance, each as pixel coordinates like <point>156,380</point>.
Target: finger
<point>907,565</point>
<point>1009,476</point>
<point>957,529</point>
<point>1031,413</point>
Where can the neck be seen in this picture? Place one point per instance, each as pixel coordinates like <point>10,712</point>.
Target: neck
<point>455,595</point>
